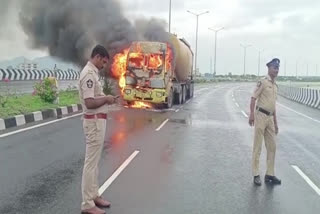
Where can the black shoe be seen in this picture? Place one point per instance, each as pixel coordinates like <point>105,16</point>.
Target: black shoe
<point>272,179</point>
<point>257,180</point>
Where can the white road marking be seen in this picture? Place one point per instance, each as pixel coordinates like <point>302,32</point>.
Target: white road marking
<point>244,114</point>
<point>163,123</point>
<point>311,184</point>
<point>39,125</point>
<point>315,120</point>
<point>237,105</point>
<point>117,173</point>
<point>188,101</point>
<point>177,110</point>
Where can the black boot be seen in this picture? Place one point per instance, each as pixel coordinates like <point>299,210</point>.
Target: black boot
<point>257,180</point>
<point>272,179</point>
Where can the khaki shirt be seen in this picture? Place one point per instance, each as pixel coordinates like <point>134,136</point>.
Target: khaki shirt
<point>266,94</point>
<point>90,87</point>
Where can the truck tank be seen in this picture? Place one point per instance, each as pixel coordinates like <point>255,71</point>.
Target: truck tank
<point>183,59</point>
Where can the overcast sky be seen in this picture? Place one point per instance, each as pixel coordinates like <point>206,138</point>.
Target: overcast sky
<point>287,29</point>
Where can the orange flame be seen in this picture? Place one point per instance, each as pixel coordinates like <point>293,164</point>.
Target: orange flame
<point>119,67</point>
<point>136,60</point>
<point>138,104</point>
<point>169,58</point>
<point>155,61</point>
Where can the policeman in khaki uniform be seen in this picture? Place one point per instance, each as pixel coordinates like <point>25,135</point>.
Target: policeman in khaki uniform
<point>264,119</point>
<point>94,104</point>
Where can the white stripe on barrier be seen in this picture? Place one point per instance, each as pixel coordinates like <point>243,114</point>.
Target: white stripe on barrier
<point>304,96</point>
<point>37,116</point>
<point>2,124</point>
<point>74,108</point>
<point>20,120</point>
<point>64,110</point>
<point>314,97</point>
<point>317,104</point>
<point>310,98</point>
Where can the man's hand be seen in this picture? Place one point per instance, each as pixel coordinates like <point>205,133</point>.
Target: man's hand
<point>111,99</point>
<point>251,119</point>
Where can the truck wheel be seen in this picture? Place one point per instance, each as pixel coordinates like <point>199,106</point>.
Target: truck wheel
<point>177,98</point>
<point>191,90</point>
<point>170,99</point>
<point>184,94</point>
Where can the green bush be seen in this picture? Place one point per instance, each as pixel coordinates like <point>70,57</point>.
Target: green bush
<point>47,90</point>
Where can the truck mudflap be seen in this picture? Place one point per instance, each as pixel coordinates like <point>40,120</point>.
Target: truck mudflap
<point>156,96</point>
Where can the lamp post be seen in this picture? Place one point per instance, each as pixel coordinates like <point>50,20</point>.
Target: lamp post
<point>197,15</point>
<point>169,16</point>
<point>244,57</point>
<point>215,47</point>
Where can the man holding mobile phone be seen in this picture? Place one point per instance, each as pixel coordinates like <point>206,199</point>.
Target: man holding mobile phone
<point>94,104</point>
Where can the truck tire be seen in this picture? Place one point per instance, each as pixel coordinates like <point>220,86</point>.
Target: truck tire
<point>184,94</point>
<point>170,100</point>
<point>191,90</point>
<point>178,98</point>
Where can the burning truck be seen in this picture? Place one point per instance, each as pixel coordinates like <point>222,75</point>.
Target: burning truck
<point>155,73</point>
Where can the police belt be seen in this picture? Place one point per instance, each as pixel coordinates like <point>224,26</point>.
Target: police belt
<point>264,111</point>
<point>93,116</point>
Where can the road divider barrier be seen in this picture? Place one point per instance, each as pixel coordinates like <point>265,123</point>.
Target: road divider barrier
<point>35,74</point>
<point>306,96</point>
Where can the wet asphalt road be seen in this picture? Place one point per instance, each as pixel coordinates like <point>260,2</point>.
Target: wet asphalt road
<point>199,162</point>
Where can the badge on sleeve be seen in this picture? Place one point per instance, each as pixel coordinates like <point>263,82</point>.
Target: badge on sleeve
<point>90,83</point>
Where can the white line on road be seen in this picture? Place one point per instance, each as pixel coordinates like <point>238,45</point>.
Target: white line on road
<point>177,110</point>
<point>311,184</point>
<point>163,123</point>
<point>237,105</point>
<point>188,101</point>
<point>117,173</point>
<point>244,114</point>
<point>299,113</point>
<point>39,125</point>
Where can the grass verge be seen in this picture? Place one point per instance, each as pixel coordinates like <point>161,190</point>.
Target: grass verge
<point>23,104</point>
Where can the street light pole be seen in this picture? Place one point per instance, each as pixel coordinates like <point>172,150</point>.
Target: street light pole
<point>296,69</point>
<point>169,16</point>
<point>196,54</point>
<point>259,60</point>
<point>244,57</point>
<point>215,47</point>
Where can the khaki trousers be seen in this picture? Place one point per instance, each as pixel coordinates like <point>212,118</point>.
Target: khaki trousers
<point>263,129</point>
<point>94,130</point>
